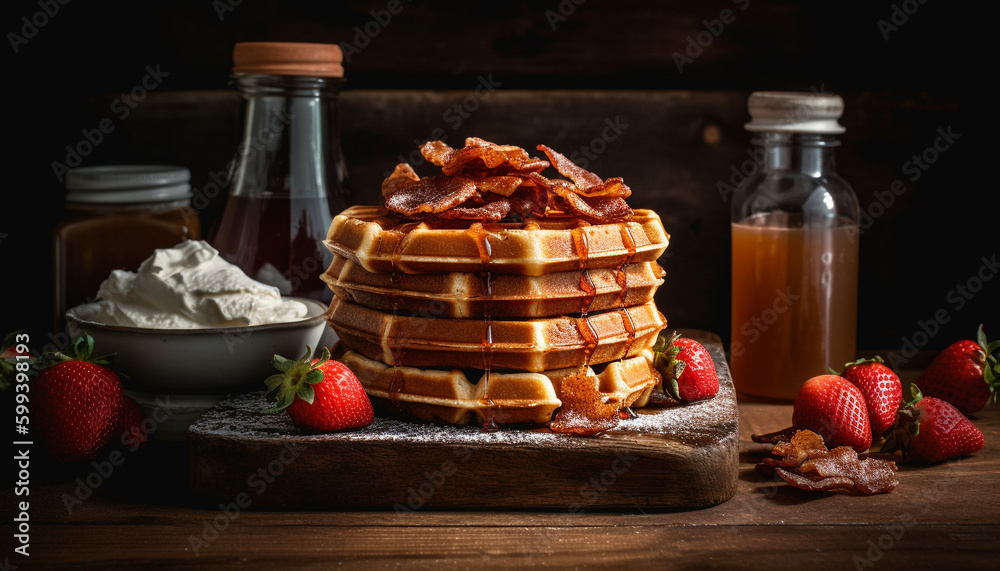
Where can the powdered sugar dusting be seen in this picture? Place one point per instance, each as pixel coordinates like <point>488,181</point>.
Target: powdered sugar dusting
<point>710,421</point>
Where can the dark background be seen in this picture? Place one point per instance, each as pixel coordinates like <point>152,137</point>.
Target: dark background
<point>564,69</point>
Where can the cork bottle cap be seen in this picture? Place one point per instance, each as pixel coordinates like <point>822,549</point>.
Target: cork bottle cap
<point>795,112</point>
<point>288,58</point>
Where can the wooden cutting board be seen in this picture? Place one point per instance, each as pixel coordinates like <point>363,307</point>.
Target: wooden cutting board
<point>668,456</point>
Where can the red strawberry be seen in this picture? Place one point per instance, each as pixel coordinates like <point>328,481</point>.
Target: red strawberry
<point>686,367</point>
<point>12,353</point>
<point>966,374</point>
<point>881,388</point>
<point>77,403</point>
<point>832,407</point>
<point>320,394</point>
<point>130,424</point>
<point>929,429</point>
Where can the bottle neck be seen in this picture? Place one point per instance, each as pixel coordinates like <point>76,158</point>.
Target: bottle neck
<point>809,154</point>
<point>291,142</point>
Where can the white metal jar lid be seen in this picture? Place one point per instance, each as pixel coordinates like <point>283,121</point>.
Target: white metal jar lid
<point>128,184</point>
<point>799,112</point>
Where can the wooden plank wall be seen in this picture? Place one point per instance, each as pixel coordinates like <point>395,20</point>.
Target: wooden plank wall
<point>659,88</point>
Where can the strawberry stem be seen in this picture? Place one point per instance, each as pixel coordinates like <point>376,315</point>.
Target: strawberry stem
<point>295,379</point>
<point>667,364</point>
<point>875,359</point>
<point>991,367</point>
<point>906,426</point>
<point>80,350</point>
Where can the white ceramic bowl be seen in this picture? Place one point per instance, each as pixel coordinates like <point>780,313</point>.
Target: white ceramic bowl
<point>193,361</point>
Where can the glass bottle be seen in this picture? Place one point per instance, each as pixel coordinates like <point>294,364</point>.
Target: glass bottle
<point>288,178</point>
<point>795,238</point>
<point>116,216</point>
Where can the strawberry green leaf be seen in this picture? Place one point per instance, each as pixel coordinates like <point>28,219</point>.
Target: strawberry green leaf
<point>295,379</point>
<point>306,393</point>
<point>314,376</point>
<point>283,402</point>
<point>273,382</point>
<point>281,363</point>
<point>9,341</point>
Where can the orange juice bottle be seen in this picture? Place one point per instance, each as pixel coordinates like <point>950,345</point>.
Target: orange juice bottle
<point>795,238</point>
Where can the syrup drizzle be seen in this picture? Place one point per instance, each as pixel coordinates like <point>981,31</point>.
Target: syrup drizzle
<point>589,291</point>
<point>396,380</point>
<point>580,243</point>
<point>629,330</point>
<point>587,331</point>
<point>485,257</point>
<point>621,276</point>
<point>590,339</point>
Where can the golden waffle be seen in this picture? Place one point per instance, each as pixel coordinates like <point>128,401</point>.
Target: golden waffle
<point>460,397</point>
<point>532,345</point>
<point>475,295</point>
<point>556,243</point>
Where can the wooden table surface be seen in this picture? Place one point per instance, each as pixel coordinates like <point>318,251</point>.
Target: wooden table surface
<point>141,516</point>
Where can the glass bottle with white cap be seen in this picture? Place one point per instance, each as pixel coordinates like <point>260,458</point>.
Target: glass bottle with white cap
<point>795,238</point>
<point>117,215</point>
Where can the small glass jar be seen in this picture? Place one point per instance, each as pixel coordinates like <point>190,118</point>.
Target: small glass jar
<point>116,217</point>
<point>795,238</point>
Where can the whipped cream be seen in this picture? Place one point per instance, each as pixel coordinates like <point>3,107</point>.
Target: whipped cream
<point>190,286</point>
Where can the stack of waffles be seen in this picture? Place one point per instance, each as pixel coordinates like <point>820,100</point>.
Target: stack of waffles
<point>494,317</point>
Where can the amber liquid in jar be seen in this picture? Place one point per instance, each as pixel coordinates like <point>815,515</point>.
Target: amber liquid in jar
<point>99,238</point>
<point>793,286</point>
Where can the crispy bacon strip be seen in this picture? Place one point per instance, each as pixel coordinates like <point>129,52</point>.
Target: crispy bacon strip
<point>806,463</point>
<point>479,156</point>
<point>402,176</point>
<point>431,194</point>
<point>475,177</point>
<point>586,183</point>
<point>596,209</point>
<point>501,185</point>
<point>492,211</point>
<point>581,177</point>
